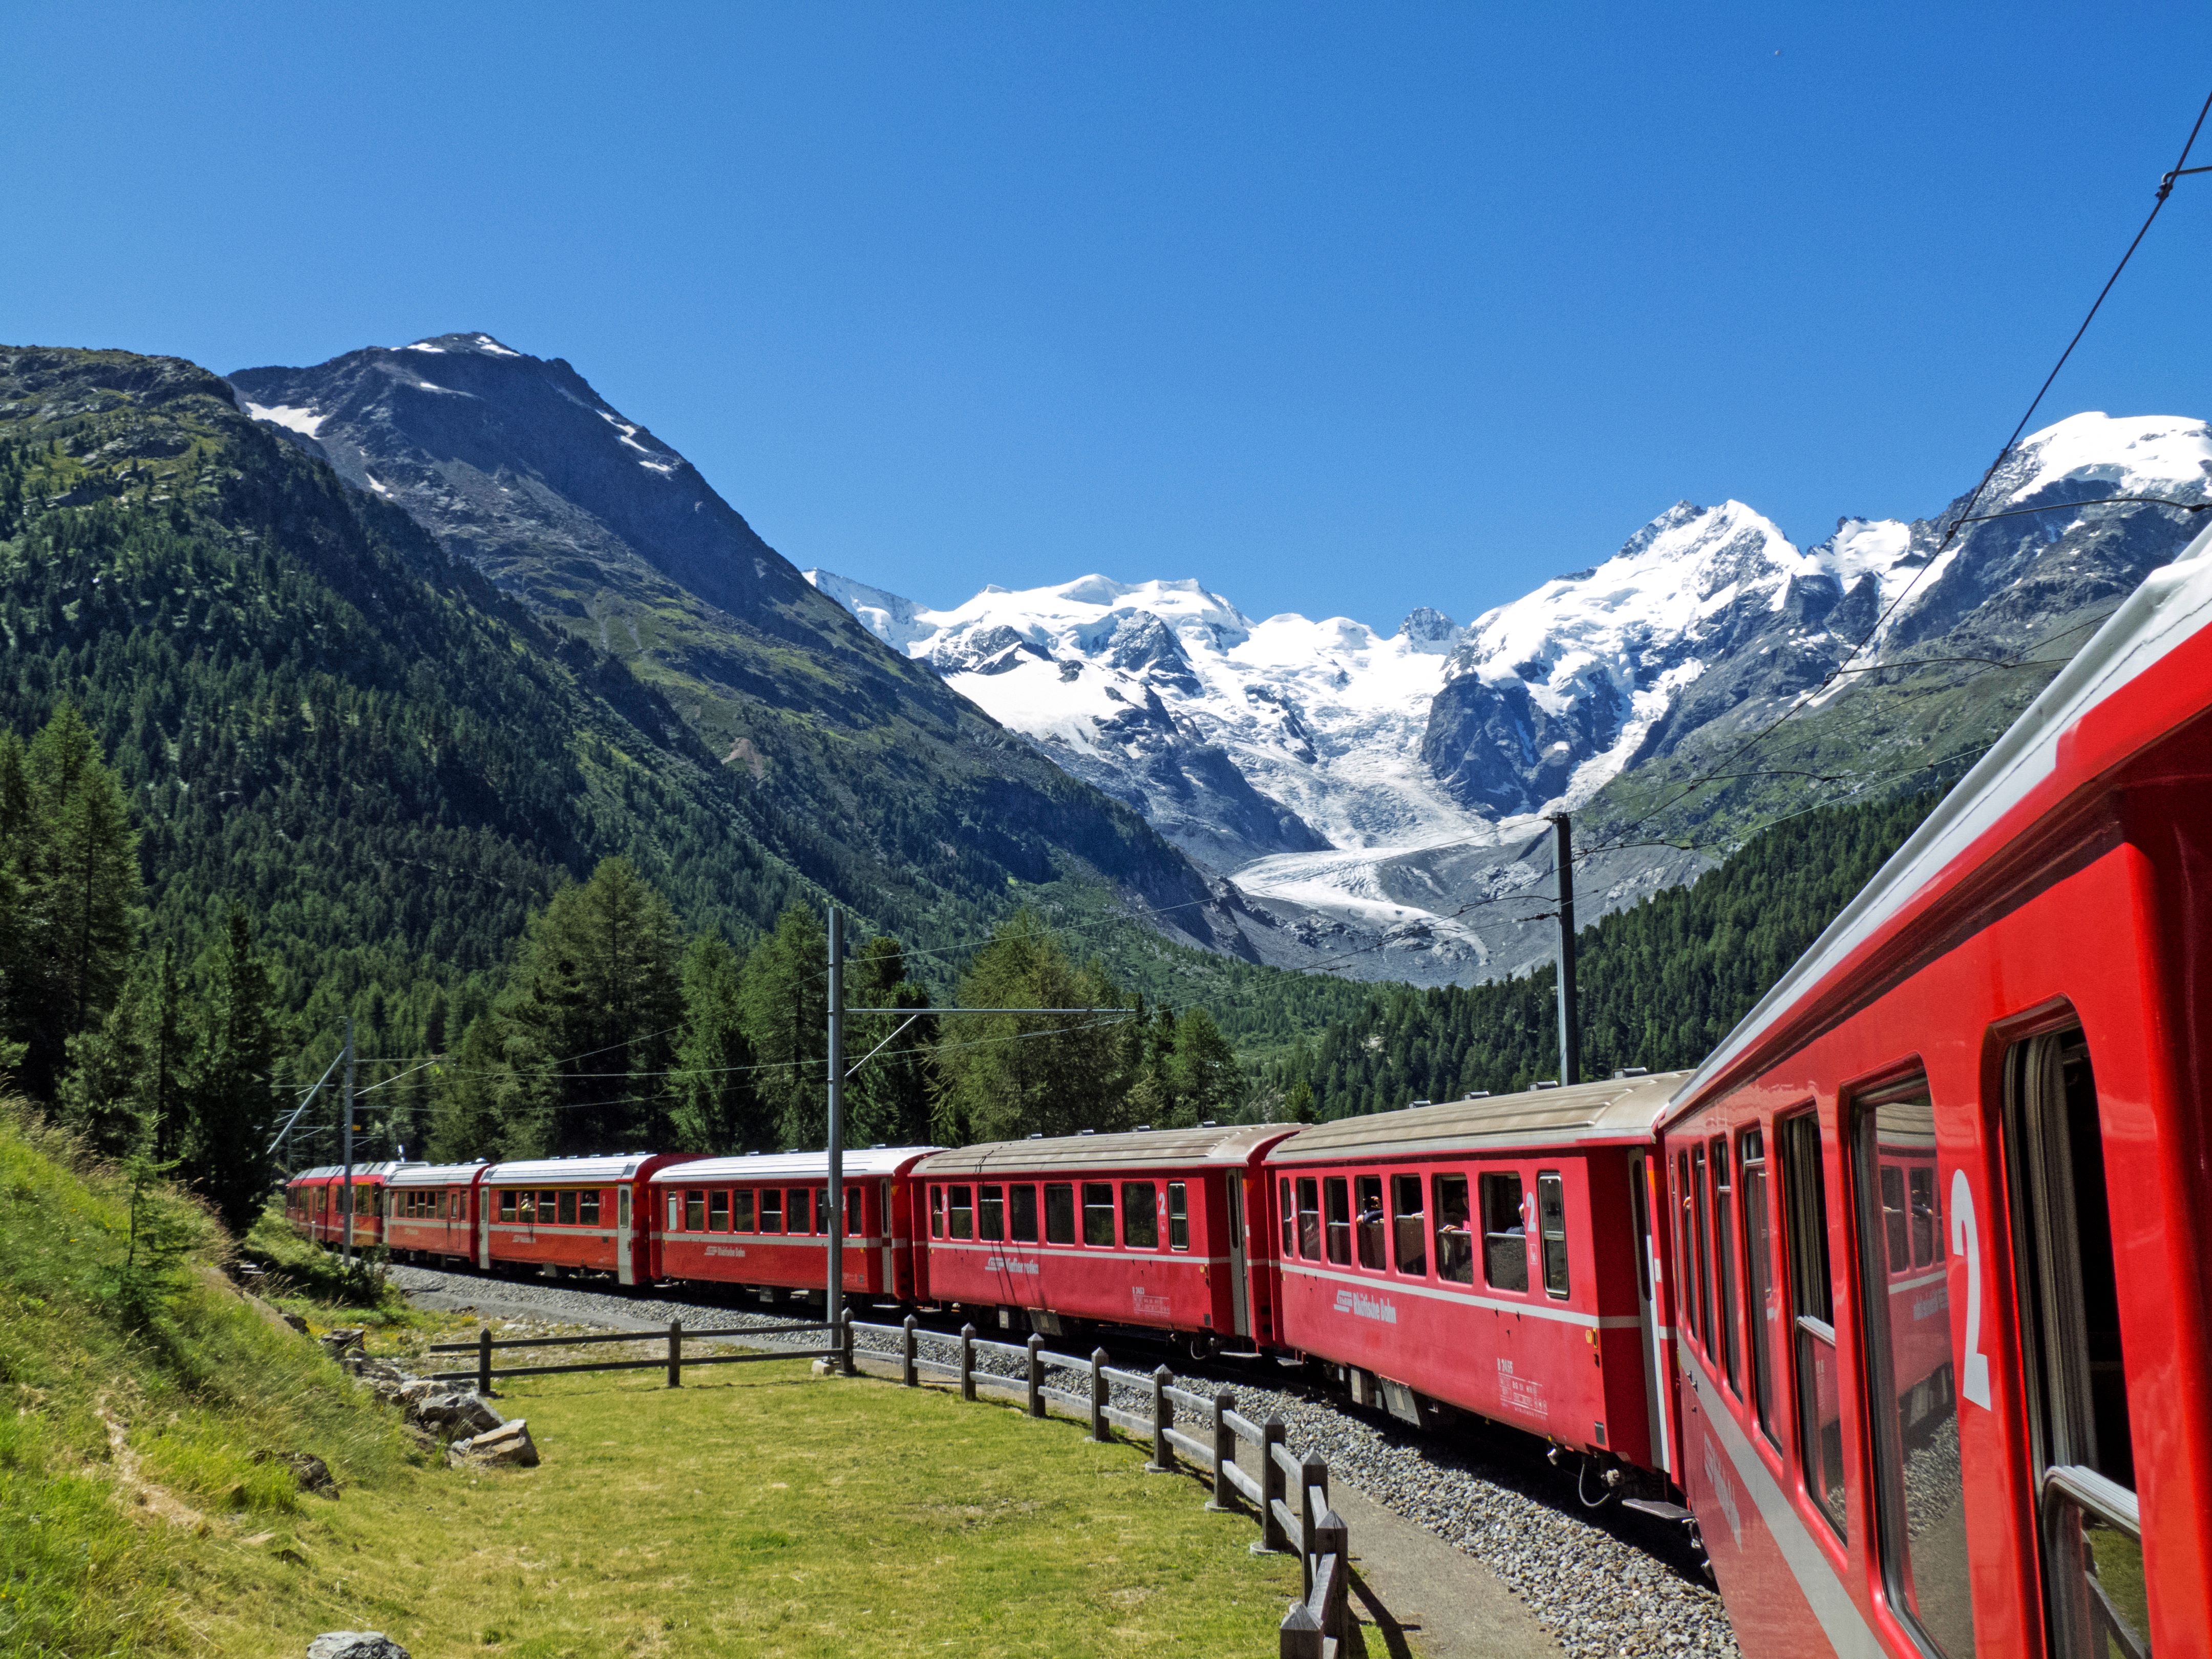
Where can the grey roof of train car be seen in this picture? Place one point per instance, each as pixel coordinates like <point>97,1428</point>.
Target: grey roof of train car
<point>360,1171</point>
<point>1136,1149</point>
<point>1613,1109</point>
<point>550,1171</point>
<point>436,1175</point>
<point>860,1163</point>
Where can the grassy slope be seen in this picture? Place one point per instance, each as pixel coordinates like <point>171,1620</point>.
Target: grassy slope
<point>755,1511</point>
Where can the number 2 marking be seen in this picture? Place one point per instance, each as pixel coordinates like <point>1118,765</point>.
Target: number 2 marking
<point>1966,1241</point>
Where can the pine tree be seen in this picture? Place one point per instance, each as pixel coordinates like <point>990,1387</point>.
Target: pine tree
<point>718,1108</point>
<point>1202,1070</point>
<point>887,1103</point>
<point>231,1104</point>
<point>470,1113</point>
<point>783,1001</point>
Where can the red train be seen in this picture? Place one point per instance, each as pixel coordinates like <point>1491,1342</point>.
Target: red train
<point>315,1203</point>
<point>1908,1289</point>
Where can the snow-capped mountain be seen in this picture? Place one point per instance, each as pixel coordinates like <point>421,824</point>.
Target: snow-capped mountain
<point>1377,782</point>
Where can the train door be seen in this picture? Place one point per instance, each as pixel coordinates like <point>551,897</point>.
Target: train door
<point>625,1257</point>
<point>485,1200</point>
<point>1240,1293</point>
<point>2081,1435</point>
<point>1657,1376</point>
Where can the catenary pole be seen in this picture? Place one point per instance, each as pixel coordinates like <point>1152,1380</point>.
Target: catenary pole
<point>348,1135</point>
<point>1571,1031</point>
<point>834,1300</point>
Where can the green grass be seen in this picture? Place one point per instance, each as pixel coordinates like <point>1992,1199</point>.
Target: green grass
<point>306,1279</point>
<point>757,1511</point>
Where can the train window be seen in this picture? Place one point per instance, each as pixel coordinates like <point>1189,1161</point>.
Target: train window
<point>1059,1212</point>
<point>1178,1216</point>
<point>799,1210</point>
<point>1920,1496</point>
<point>718,1211</point>
<point>1289,1221</point>
<point>1409,1226</point>
<point>548,1208</point>
<point>1686,1250</point>
<point>1504,1235</point>
<point>1310,1218</point>
<point>1552,1225</point>
<point>771,1211</point>
<point>1701,1237</point>
<point>695,1211</point>
<point>960,1213</point>
<point>565,1211</point>
<point>1336,1200</point>
<point>937,1212</point>
<point>1099,1212</point>
<point>1893,1226</point>
<point>526,1207</point>
<point>1724,1265</point>
<point>1763,1307</point>
<point>2081,1433</point>
<point>855,1208</point>
<point>506,1207</point>
<point>1455,1240</point>
<point>621,1205</point>
<point>1812,1301</point>
<point>675,1211</point>
<point>587,1207</point>
<point>1368,1220</point>
<point>1022,1205</point>
<point>741,1210</point>
<point>1141,1216</point>
<point>991,1214</point>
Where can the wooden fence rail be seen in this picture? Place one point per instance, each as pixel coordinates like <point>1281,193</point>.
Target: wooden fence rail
<point>837,1350</point>
<point>1289,1497</point>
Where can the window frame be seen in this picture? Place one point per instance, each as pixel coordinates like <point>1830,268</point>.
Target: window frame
<point>1178,1215</point>
<point>1418,1215</point>
<point>1545,1237</point>
<point>1336,1220</point>
<point>1720,1172</point>
<point>1366,1233</point>
<point>1109,1206</point>
<point>771,1203</point>
<point>1762,1283</point>
<point>991,1213</point>
<point>1016,1192</point>
<point>1140,1211</point>
<point>1308,1214</point>
<point>1070,1213</point>
<point>960,1212</point>
<point>1487,1181</point>
<point>1809,1276</point>
<point>1441,1230</point>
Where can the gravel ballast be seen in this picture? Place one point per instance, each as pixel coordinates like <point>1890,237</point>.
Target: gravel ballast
<point>1604,1583</point>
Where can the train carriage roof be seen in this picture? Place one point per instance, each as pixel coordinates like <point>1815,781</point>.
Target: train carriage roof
<point>554,1171</point>
<point>859,1165</point>
<point>437,1175</point>
<point>360,1172</point>
<point>1606,1113</point>
<point>2043,758</point>
<point>1135,1150</point>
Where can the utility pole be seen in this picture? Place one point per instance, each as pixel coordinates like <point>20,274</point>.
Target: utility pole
<point>1571,1028</point>
<point>833,1305</point>
<point>347,1133</point>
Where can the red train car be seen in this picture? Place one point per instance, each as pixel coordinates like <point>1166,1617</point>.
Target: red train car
<point>1490,1254</point>
<point>1952,1390</point>
<point>571,1215</point>
<point>315,1202</point>
<point>762,1220</point>
<point>430,1211</point>
<point>1144,1229</point>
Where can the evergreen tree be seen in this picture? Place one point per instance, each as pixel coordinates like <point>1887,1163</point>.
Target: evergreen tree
<point>232,1103</point>
<point>1001,1077</point>
<point>783,1002</point>
<point>103,1095</point>
<point>470,1112</point>
<point>593,1013</point>
<point>888,1101</point>
<point>1202,1070</point>
<point>718,1108</point>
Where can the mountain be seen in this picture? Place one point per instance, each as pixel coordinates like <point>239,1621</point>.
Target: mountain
<point>1394,785</point>
<point>902,795</point>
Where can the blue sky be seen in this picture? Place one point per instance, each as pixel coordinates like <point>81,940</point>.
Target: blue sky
<point>1337,309</point>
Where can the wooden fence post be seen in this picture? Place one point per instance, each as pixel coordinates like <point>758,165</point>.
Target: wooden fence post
<point>1313,1471</point>
<point>1330,1538</point>
<point>1273,1489</point>
<point>1299,1635</point>
<point>674,1353</point>
<point>1225,1451</point>
<point>1162,1419</point>
<point>1037,1376</point>
<point>967,1362</point>
<point>845,1346</point>
<point>483,1361</point>
<point>909,1373</point>
<point>1098,1426</point>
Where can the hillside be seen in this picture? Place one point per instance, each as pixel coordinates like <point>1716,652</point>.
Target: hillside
<point>1661,982</point>
<point>924,807</point>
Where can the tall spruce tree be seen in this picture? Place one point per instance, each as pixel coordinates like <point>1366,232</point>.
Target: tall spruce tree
<point>783,1000</point>
<point>232,1101</point>
<point>592,1014</point>
<point>718,1108</point>
<point>470,1111</point>
<point>888,1101</point>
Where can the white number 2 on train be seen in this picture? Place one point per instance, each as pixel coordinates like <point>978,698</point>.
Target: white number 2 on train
<point>1966,1241</point>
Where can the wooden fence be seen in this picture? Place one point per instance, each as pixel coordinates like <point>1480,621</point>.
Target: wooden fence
<point>677,1336</point>
<point>1321,1620</point>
